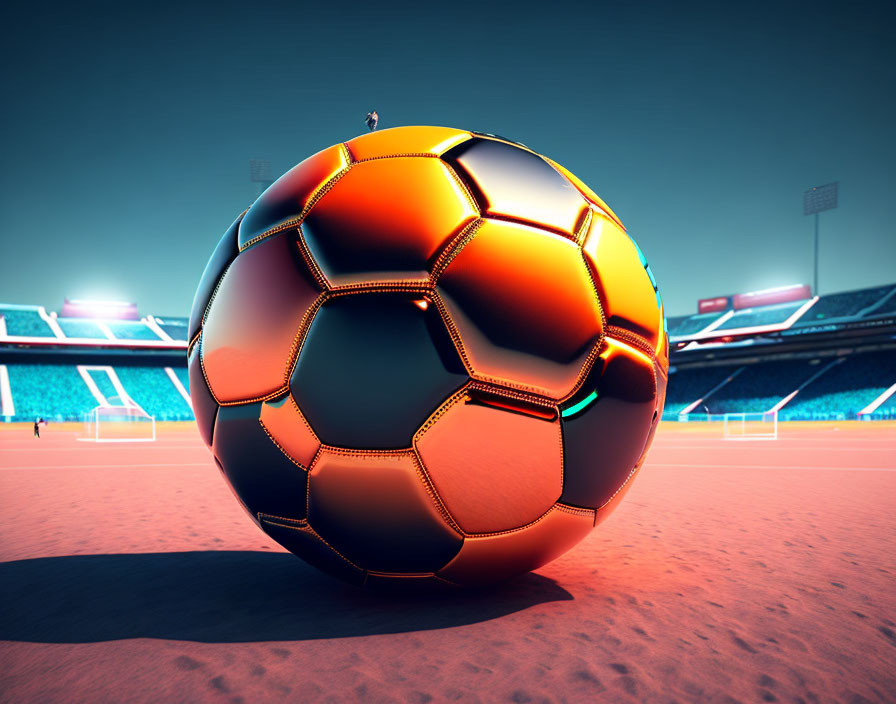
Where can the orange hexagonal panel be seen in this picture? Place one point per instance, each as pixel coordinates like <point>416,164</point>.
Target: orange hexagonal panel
<point>495,557</point>
<point>376,510</point>
<point>386,220</point>
<point>585,190</point>
<point>516,183</point>
<point>289,195</point>
<point>495,469</point>
<point>627,294</point>
<point>287,427</point>
<point>253,321</point>
<point>524,307</point>
<point>405,140</point>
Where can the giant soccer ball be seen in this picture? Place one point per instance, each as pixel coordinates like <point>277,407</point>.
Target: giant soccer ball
<point>428,354</point>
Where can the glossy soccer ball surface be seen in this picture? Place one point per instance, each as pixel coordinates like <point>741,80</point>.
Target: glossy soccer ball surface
<point>428,353</point>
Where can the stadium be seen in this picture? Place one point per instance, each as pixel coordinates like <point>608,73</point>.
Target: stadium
<point>760,357</point>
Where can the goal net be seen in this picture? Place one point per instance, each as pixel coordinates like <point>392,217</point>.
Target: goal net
<point>751,426</point>
<point>119,424</point>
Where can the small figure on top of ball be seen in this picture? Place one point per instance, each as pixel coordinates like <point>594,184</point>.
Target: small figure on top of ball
<point>371,120</point>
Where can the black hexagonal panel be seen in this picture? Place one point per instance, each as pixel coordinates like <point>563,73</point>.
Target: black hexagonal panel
<point>264,479</point>
<point>204,407</point>
<point>603,441</point>
<point>513,182</point>
<point>225,252</point>
<point>372,368</point>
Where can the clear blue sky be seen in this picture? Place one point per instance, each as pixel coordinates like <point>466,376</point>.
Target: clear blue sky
<point>128,127</point>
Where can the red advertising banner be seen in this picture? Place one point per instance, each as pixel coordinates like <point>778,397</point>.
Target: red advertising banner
<point>783,294</point>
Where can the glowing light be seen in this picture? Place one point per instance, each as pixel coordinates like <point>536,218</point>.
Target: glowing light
<point>581,405</point>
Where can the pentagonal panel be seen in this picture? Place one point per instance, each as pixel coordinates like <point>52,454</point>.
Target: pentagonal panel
<point>516,183</point>
<point>524,305</point>
<point>626,291</point>
<point>385,220</point>
<point>372,368</point>
<point>585,190</point>
<point>254,318</point>
<point>288,428</point>
<point>604,435</point>
<point>290,194</point>
<point>405,140</point>
<point>225,252</point>
<point>204,406</point>
<point>375,509</point>
<point>494,468</point>
<point>495,557</point>
<point>264,479</point>
<point>300,539</point>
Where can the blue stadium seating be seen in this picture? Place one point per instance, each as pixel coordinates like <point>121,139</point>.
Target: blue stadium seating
<point>176,327</point>
<point>886,411</point>
<point>844,389</point>
<point>691,324</point>
<point>25,322</point>
<point>760,386</point>
<point>80,327</point>
<point>57,392</point>
<point>766,315</point>
<point>131,330</point>
<point>687,385</point>
<point>154,392</point>
<point>839,305</point>
<point>51,391</point>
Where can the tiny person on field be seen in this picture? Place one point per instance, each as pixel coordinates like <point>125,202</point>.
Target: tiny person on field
<point>36,428</point>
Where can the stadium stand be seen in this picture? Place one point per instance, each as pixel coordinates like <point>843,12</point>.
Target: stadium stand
<point>51,391</point>
<point>844,389</point>
<point>152,390</point>
<point>105,386</point>
<point>766,315</point>
<point>57,392</point>
<point>839,305</point>
<point>760,386</point>
<point>886,411</point>
<point>80,327</point>
<point>175,327</point>
<point>692,324</point>
<point>888,308</point>
<point>184,376</point>
<point>131,330</point>
<point>25,321</point>
<point>688,385</point>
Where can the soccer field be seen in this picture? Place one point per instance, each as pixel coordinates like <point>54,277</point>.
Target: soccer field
<point>732,571</point>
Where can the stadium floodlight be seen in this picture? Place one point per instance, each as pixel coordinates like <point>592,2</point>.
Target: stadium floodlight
<point>816,200</point>
<point>260,173</point>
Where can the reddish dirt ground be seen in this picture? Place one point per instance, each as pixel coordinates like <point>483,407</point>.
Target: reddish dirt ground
<point>733,571</point>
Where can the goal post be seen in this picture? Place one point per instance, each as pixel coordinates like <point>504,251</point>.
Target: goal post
<point>118,424</point>
<point>751,426</point>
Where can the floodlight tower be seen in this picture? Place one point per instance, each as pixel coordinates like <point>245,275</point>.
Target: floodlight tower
<point>260,174</point>
<point>814,201</point>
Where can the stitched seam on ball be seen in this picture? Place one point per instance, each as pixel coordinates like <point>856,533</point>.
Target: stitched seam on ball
<point>463,187</point>
<point>461,240</point>
<point>192,343</point>
<point>404,155</point>
<point>305,252</point>
<point>584,227</point>
<point>633,339</point>
<point>453,332</point>
<point>514,530</point>
<point>542,227</point>
<point>255,399</point>
<point>621,487</point>
<point>575,510</point>
<point>519,395</point>
<point>294,221</point>
<point>587,366</point>
<point>349,157</point>
<point>309,530</point>
<point>281,448</point>
<point>423,475</point>
<point>298,341</point>
<point>408,286</point>
<point>270,518</point>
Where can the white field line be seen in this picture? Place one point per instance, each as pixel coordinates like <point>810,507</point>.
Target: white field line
<point>179,386</point>
<point>7,407</point>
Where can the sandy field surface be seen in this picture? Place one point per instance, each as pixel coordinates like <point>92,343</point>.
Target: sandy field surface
<point>732,572</point>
